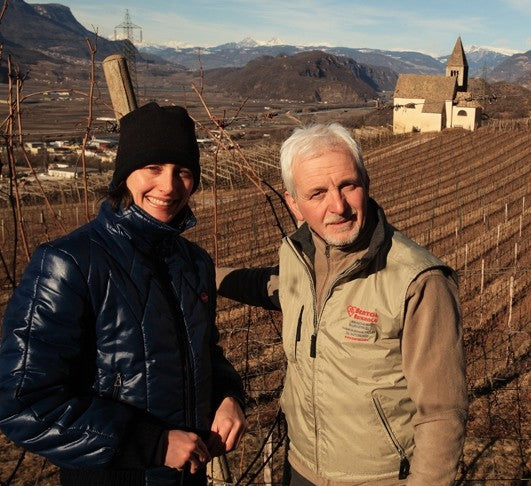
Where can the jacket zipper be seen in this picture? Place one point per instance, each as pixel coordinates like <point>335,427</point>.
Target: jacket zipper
<point>189,395</point>
<point>404,461</point>
<point>182,338</point>
<point>117,386</point>
<point>183,346</point>
<point>313,339</point>
<point>298,332</point>
<point>313,344</point>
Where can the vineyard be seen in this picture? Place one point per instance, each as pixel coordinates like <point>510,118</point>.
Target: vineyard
<point>463,195</point>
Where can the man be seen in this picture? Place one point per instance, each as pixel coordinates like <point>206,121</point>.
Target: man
<point>375,388</point>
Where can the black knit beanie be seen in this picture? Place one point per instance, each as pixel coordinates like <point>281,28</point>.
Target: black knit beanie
<point>154,134</point>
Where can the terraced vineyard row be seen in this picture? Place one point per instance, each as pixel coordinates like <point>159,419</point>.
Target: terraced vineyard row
<point>464,196</point>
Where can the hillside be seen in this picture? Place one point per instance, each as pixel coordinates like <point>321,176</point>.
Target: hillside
<point>516,69</point>
<point>307,76</point>
<point>40,32</point>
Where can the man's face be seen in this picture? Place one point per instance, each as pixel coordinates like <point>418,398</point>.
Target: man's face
<point>330,195</point>
<point>161,190</point>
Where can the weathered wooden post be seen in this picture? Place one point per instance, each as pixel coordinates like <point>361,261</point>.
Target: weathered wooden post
<point>268,468</point>
<point>119,84</point>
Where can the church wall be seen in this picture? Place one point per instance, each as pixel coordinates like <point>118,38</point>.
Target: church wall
<point>431,122</point>
<point>466,117</point>
<point>407,119</point>
<point>449,110</point>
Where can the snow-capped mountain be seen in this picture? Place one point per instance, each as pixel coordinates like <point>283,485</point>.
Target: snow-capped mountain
<point>482,59</point>
<point>237,54</point>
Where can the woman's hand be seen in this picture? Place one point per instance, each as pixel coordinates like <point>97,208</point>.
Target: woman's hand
<point>228,427</point>
<point>186,449</point>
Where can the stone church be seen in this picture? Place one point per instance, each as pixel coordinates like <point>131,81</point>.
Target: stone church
<point>428,103</point>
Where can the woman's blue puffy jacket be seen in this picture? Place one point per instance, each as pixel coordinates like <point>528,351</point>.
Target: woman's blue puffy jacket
<point>94,341</point>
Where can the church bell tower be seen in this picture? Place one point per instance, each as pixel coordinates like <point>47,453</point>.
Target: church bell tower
<point>458,66</point>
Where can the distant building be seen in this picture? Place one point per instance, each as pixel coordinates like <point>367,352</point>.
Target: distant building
<point>35,147</point>
<point>69,172</point>
<point>103,143</point>
<point>427,103</point>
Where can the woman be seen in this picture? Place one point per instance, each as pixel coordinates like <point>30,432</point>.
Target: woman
<point>109,364</point>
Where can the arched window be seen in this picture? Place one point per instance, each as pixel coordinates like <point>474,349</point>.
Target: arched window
<point>461,113</point>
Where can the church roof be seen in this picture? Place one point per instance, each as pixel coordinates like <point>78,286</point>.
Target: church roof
<point>458,58</point>
<point>433,107</point>
<point>425,86</point>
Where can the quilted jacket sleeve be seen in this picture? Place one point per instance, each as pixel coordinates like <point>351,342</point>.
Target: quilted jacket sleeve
<point>44,403</point>
<point>253,286</point>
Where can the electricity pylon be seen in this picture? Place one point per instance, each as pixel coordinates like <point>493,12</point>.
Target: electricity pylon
<point>127,29</point>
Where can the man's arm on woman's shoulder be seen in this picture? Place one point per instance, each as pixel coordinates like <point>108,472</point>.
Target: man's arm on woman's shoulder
<point>252,286</point>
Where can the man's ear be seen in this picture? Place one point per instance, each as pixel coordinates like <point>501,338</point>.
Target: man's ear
<point>292,204</point>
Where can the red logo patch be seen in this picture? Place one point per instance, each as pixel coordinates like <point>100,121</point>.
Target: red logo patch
<point>362,315</point>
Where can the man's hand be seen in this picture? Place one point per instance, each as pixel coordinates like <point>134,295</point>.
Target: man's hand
<point>186,449</point>
<point>228,427</point>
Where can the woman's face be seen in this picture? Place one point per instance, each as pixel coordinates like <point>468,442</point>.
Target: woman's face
<point>161,190</point>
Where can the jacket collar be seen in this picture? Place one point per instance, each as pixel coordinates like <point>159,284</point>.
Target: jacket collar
<point>144,231</point>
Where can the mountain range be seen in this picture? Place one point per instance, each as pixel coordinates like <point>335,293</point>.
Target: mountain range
<point>481,60</point>
<point>49,35</point>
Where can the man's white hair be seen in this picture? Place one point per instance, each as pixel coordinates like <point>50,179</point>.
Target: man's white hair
<point>312,141</point>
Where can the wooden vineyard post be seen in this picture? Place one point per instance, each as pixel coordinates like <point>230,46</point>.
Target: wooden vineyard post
<point>482,275</point>
<point>268,459</point>
<point>456,247</point>
<point>481,291</point>
<point>497,241</point>
<point>466,258</point>
<point>511,296</point>
<point>119,84</point>
<point>220,471</point>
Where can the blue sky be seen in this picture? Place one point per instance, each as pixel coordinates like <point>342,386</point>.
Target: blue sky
<point>419,25</point>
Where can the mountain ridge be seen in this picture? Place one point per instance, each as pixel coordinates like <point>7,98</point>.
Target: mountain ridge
<point>31,31</point>
<point>50,34</point>
<point>480,58</point>
<point>307,76</point>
